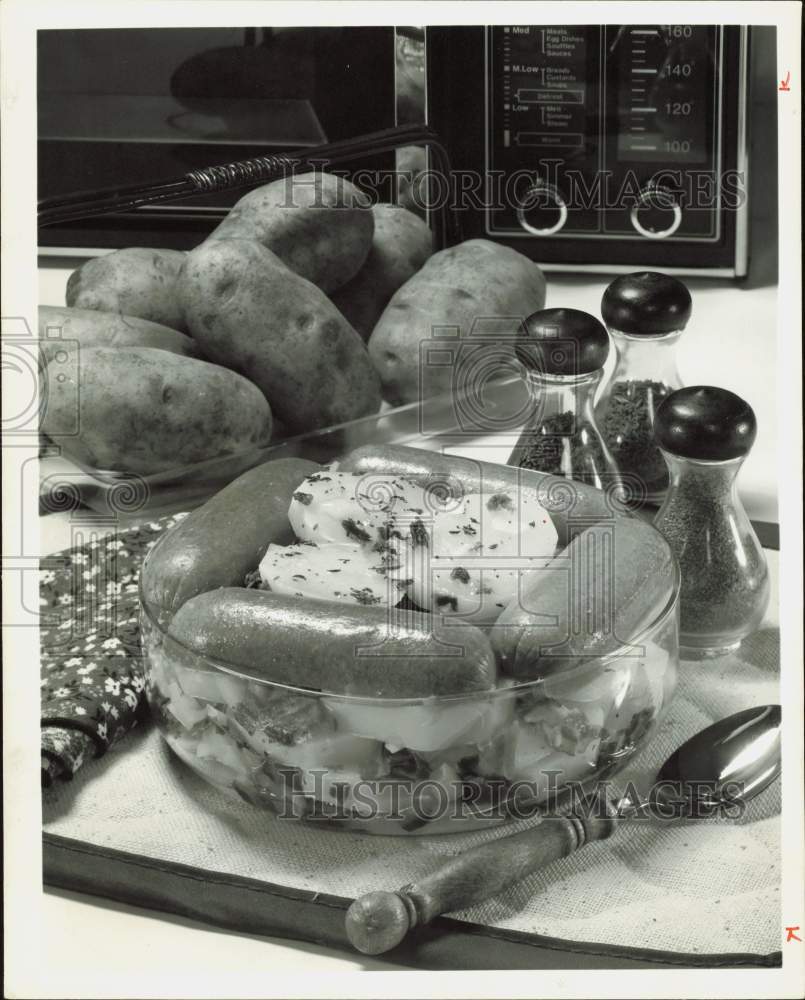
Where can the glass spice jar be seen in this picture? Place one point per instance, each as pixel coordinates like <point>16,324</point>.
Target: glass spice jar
<point>563,354</point>
<point>705,433</point>
<point>645,313</point>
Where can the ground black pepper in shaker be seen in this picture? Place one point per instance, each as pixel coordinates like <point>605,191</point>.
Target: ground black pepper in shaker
<point>645,313</point>
<point>563,354</point>
<point>705,433</point>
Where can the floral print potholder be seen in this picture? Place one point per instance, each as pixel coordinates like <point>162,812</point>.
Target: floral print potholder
<point>91,662</point>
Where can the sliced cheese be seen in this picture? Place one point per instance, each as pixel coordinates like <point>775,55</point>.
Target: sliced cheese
<point>362,509</point>
<point>336,571</point>
<point>474,558</point>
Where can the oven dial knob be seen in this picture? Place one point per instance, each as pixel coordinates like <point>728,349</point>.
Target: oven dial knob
<point>542,210</point>
<point>656,214</point>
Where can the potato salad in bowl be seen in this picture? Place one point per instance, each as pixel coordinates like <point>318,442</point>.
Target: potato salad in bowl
<point>404,642</point>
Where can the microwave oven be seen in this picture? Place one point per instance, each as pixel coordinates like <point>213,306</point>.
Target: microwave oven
<point>609,147</point>
<point>586,147</point>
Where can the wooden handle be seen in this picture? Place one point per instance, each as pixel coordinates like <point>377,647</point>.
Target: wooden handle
<point>379,921</point>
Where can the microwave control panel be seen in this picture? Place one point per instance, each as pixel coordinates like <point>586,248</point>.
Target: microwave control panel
<point>605,132</point>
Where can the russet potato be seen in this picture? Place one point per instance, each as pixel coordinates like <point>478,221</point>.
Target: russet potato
<point>478,291</point>
<point>319,225</point>
<point>142,410</point>
<point>135,281</point>
<point>248,311</point>
<point>65,329</point>
<point>401,245</point>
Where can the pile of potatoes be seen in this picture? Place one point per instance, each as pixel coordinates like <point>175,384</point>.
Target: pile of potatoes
<point>304,308</point>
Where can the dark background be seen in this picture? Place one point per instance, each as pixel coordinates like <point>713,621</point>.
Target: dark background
<point>226,94</point>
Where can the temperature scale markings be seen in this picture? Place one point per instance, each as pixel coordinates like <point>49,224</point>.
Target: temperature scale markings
<point>638,86</point>
<point>507,55</point>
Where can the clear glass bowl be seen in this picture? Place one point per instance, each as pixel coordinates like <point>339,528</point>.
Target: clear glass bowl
<point>415,765</point>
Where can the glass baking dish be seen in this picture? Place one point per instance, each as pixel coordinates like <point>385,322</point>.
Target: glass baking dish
<point>462,418</point>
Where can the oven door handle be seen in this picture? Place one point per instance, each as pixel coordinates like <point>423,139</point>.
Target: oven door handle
<point>258,170</point>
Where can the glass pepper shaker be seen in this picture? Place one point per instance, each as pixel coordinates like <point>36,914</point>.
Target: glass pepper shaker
<point>705,434</point>
<point>563,354</point>
<point>645,313</point>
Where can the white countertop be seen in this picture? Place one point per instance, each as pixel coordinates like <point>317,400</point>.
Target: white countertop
<point>730,341</point>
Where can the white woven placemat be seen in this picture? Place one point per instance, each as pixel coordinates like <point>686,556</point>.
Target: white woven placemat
<point>704,887</point>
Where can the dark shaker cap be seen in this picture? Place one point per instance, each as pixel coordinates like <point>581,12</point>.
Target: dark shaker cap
<point>563,342</point>
<point>646,302</point>
<point>705,422</point>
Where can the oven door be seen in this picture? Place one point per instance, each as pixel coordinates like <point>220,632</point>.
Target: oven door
<point>128,106</point>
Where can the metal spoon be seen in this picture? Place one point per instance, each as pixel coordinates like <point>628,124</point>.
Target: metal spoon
<point>724,765</point>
